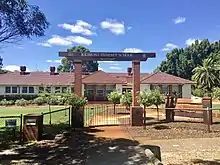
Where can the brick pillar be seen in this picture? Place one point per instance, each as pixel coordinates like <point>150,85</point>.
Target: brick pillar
<point>135,81</point>
<point>78,78</point>
<point>136,112</point>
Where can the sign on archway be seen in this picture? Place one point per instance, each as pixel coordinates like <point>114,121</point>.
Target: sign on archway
<point>77,58</point>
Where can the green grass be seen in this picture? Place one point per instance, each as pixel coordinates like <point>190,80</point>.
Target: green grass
<point>16,111</point>
<point>56,118</point>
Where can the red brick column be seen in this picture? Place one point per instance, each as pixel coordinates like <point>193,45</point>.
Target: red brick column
<point>135,81</point>
<point>136,112</point>
<point>78,78</point>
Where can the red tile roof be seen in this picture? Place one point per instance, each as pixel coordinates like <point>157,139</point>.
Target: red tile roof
<point>99,77</point>
<point>164,78</point>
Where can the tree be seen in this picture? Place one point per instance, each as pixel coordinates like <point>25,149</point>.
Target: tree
<point>181,61</point>
<point>216,93</point>
<point>87,66</point>
<point>144,99</point>
<point>126,99</point>
<point>156,98</point>
<point>207,75</point>
<point>19,20</point>
<point>1,64</point>
<point>114,97</point>
<point>2,71</point>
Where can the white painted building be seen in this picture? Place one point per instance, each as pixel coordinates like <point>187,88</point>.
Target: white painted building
<point>95,86</point>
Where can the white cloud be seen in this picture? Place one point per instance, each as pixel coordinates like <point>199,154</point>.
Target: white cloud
<point>100,68</point>
<point>115,68</point>
<point>191,41</point>
<point>169,47</point>
<point>14,68</point>
<point>179,20</point>
<point>53,61</point>
<point>81,27</point>
<point>106,61</point>
<point>132,50</point>
<point>66,41</point>
<point>44,44</point>
<point>129,27</point>
<point>114,26</point>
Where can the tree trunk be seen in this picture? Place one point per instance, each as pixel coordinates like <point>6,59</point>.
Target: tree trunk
<point>158,117</point>
<point>144,117</point>
<point>114,109</point>
<point>50,113</point>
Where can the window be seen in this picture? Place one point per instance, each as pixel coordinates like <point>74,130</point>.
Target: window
<point>126,90</point>
<point>72,89</point>
<point>7,89</point>
<point>165,89</point>
<point>31,89</point>
<point>41,89</point>
<point>100,92</point>
<point>24,89</point>
<point>64,89</point>
<point>89,92</point>
<point>48,89</point>
<point>108,91</point>
<point>57,89</point>
<point>14,90</point>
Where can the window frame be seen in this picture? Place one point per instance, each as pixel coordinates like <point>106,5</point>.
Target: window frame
<point>14,87</point>
<point>22,90</point>
<point>29,89</point>
<point>7,87</point>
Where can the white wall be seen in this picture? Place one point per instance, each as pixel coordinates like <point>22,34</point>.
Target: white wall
<point>145,87</point>
<point>186,90</point>
<point>83,89</point>
<point>2,89</point>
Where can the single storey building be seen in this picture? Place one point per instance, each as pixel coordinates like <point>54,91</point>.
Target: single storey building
<point>96,86</point>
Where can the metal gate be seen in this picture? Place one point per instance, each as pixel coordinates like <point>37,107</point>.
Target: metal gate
<point>106,115</point>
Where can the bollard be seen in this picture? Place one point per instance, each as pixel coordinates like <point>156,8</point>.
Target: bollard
<point>208,119</point>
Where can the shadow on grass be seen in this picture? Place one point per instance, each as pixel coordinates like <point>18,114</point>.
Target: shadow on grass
<point>82,148</point>
<point>50,131</point>
<point>9,136</point>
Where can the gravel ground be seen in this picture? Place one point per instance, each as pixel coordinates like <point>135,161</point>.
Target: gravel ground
<point>175,130</point>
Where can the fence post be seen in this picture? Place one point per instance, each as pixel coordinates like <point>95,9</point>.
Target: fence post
<point>69,118</point>
<point>21,128</point>
<point>208,118</point>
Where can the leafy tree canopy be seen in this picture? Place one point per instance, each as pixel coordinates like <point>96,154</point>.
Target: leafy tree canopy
<point>18,19</point>
<point>181,61</point>
<point>87,66</point>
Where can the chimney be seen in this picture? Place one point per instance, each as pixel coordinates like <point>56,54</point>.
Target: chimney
<point>129,71</point>
<point>52,70</point>
<point>22,70</point>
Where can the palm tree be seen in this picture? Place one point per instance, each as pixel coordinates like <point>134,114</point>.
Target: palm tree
<point>207,75</point>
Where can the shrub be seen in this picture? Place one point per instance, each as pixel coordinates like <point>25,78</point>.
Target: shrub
<point>5,102</point>
<point>39,101</point>
<point>21,102</point>
<point>15,97</point>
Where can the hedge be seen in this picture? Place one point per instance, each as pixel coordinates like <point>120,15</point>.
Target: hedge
<point>15,97</point>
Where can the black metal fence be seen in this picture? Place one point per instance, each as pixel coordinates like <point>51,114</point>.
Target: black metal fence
<point>11,128</point>
<point>105,115</point>
<point>56,121</point>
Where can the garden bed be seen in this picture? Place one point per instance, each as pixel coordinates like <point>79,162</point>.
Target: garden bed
<point>174,130</point>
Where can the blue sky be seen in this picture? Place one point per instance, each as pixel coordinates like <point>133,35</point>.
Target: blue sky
<point>125,25</point>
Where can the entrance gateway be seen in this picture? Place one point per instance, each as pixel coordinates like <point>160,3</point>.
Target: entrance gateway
<point>136,112</point>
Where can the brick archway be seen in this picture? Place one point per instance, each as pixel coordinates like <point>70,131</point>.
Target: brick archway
<point>136,113</point>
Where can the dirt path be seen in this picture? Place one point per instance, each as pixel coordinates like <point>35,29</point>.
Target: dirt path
<point>187,151</point>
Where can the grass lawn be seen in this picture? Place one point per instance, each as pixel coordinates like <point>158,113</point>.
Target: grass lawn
<point>58,117</point>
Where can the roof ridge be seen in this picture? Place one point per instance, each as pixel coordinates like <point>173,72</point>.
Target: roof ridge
<point>145,78</point>
<point>92,73</point>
